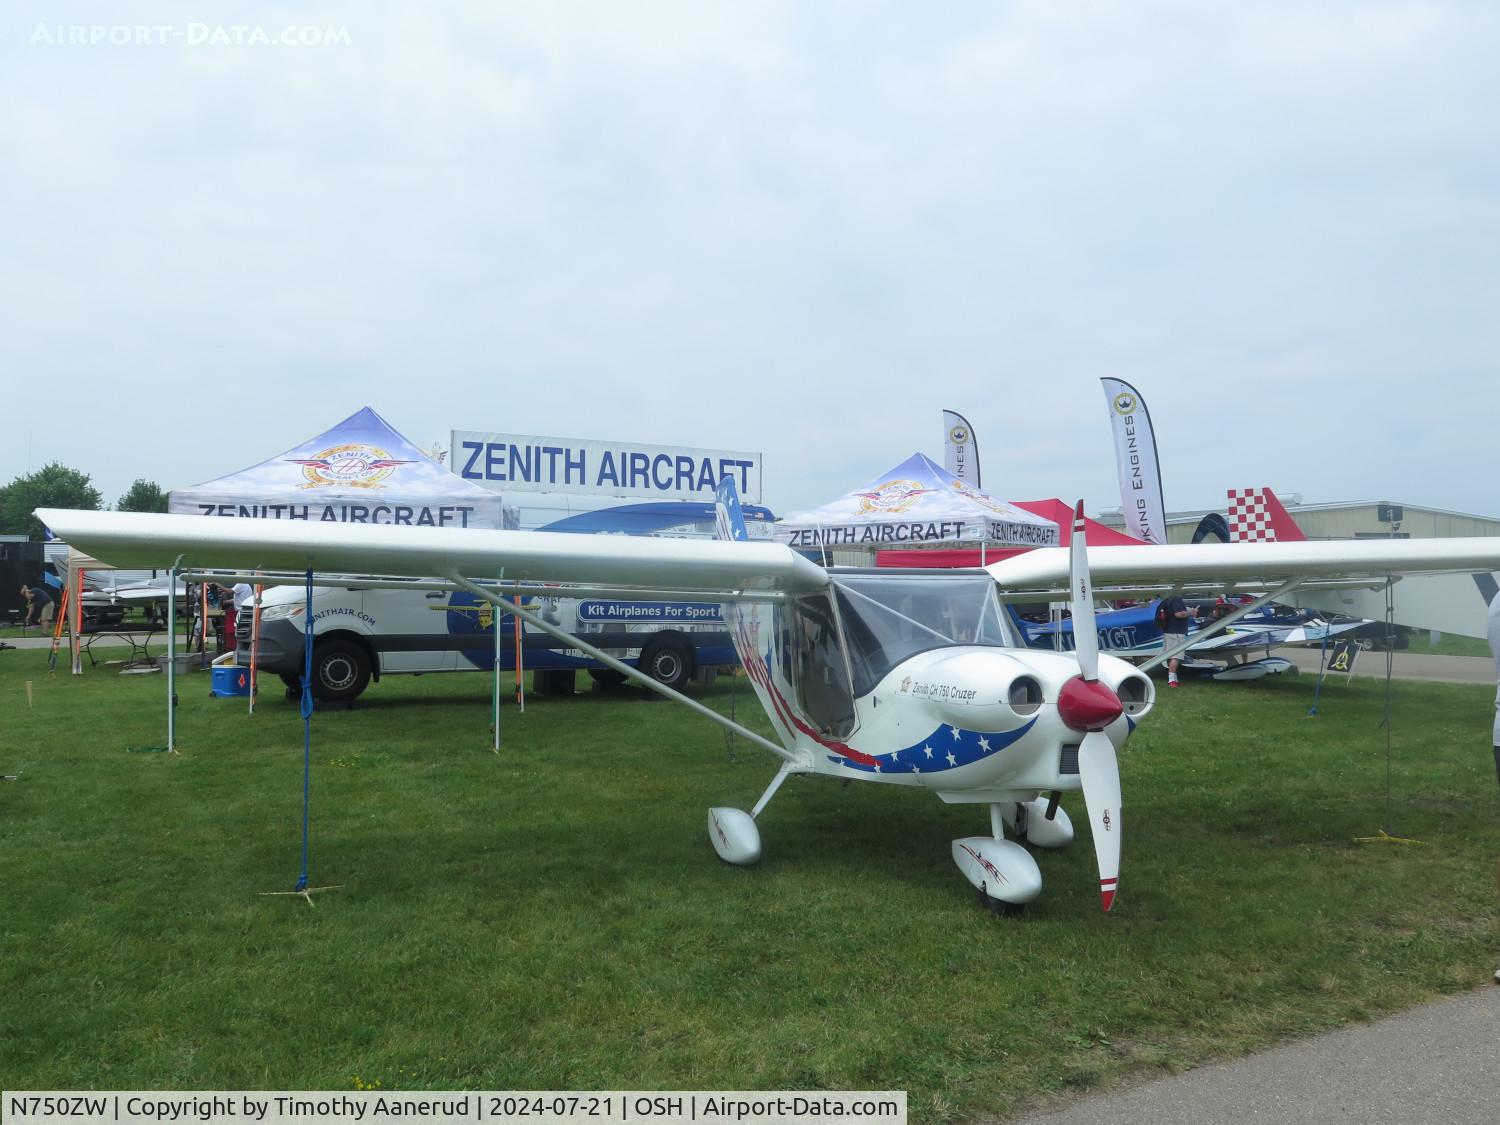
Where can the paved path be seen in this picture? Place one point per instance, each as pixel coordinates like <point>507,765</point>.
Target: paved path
<point>1439,1063</point>
<point>1407,666</point>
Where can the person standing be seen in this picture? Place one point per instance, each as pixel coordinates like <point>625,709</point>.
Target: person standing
<point>242,598</point>
<point>1176,618</point>
<point>227,618</point>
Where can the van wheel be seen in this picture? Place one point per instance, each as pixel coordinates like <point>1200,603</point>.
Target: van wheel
<point>668,662</point>
<point>341,670</point>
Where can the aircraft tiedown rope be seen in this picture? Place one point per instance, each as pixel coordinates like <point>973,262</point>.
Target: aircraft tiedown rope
<point>302,889</point>
<point>307,714</point>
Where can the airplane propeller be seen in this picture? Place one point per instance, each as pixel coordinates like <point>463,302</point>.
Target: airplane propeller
<point>1089,705</point>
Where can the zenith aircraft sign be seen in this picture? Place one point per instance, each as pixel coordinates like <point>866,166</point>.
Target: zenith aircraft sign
<point>521,463</point>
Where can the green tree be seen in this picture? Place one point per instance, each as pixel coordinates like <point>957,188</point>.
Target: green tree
<point>52,486</point>
<point>142,496</point>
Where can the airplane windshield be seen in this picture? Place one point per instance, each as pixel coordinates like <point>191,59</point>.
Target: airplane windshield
<point>888,618</point>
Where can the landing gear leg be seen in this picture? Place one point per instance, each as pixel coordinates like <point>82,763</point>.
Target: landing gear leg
<point>765,798</point>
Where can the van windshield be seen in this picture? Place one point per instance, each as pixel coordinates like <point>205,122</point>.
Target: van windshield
<point>888,618</point>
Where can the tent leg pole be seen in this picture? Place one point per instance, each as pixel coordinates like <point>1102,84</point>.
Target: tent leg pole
<point>495,618</point>
<point>172,658</point>
<point>624,669</point>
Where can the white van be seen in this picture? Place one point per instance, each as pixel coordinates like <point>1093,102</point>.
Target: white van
<point>361,635</point>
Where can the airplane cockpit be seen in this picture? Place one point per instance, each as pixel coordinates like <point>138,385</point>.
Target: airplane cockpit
<point>842,646</point>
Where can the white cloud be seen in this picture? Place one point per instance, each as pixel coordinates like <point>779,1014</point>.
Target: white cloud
<point>798,228</point>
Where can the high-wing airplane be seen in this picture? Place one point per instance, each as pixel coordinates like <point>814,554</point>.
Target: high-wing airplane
<point>914,679</point>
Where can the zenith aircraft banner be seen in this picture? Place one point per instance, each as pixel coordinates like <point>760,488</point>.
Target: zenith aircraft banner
<point>513,463</point>
<point>1135,457</point>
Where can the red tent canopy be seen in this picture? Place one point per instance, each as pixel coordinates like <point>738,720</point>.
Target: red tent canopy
<point>1057,511</point>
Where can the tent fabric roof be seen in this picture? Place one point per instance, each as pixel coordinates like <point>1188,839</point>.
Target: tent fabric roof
<point>359,471</point>
<point>918,501</point>
<point>1057,510</point>
<point>1061,513</point>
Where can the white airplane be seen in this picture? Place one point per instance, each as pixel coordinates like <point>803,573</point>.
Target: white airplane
<point>910,678</point>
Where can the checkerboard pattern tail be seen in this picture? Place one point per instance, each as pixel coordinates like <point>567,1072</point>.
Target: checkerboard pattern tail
<point>1256,516</point>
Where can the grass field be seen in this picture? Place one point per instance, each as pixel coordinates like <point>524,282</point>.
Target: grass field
<point>554,917</point>
<point>1449,644</point>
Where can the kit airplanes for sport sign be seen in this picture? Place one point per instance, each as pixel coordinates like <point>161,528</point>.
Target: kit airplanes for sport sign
<point>521,463</point>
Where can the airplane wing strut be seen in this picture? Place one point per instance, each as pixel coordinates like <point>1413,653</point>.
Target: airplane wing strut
<point>1220,625</point>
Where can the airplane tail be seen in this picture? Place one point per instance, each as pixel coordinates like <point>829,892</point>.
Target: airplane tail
<point>729,521</point>
<point>1256,516</point>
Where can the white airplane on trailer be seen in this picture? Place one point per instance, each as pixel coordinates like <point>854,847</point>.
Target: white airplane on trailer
<point>909,678</point>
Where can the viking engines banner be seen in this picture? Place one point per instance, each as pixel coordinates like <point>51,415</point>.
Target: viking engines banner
<point>1135,457</point>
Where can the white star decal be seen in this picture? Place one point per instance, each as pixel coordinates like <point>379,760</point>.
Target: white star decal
<point>928,750</point>
<point>895,755</point>
<point>952,761</point>
<point>955,731</point>
<point>916,769</point>
<point>984,744</point>
<point>877,767</point>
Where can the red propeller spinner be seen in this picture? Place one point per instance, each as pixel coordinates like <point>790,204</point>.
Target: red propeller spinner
<point>1088,704</point>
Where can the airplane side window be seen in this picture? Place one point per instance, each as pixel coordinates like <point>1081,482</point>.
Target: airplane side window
<point>822,677</point>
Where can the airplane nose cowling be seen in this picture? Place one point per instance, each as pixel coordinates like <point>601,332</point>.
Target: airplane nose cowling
<point>1088,704</point>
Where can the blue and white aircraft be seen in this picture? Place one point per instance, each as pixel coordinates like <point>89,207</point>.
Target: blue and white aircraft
<point>1226,653</point>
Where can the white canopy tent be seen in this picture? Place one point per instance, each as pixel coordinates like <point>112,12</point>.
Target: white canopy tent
<point>916,502</point>
<point>360,471</point>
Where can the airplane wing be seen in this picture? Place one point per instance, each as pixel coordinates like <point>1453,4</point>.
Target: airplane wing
<point>1274,636</point>
<point>142,540</point>
<point>1325,568</point>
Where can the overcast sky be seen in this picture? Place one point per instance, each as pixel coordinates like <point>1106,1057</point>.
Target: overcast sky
<point>801,228</point>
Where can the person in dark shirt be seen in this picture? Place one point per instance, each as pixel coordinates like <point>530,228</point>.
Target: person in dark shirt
<point>38,604</point>
<point>1177,616</point>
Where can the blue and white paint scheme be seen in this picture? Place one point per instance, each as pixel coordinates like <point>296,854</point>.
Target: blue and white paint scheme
<point>1132,633</point>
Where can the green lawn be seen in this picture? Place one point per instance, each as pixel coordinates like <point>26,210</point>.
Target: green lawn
<point>554,917</point>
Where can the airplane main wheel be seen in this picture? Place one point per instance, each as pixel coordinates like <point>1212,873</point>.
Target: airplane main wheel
<point>999,907</point>
<point>607,678</point>
<point>668,662</point>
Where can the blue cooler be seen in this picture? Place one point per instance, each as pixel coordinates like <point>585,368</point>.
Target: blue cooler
<point>229,680</point>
